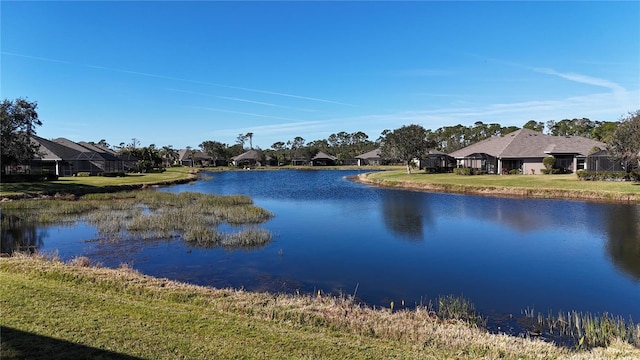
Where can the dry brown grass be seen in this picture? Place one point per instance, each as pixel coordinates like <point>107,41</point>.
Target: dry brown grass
<point>417,328</point>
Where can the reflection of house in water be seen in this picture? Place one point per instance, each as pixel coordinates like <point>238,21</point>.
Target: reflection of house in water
<point>19,237</point>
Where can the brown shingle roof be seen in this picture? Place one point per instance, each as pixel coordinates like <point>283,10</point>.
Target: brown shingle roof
<point>373,154</point>
<point>321,155</point>
<point>247,155</point>
<point>528,143</point>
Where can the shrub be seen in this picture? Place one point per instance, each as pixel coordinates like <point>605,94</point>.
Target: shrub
<point>83,173</point>
<point>462,171</point>
<point>548,162</point>
<point>515,172</point>
<point>479,172</point>
<point>113,174</point>
<point>550,171</point>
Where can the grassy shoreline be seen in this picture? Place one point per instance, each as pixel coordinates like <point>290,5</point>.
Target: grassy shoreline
<point>118,313</point>
<point>528,186</point>
<point>97,184</point>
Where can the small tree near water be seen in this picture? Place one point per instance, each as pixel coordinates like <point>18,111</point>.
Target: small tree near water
<point>405,144</point>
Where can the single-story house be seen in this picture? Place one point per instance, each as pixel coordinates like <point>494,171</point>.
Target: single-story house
<point>188,157</point>
<point>248,158</point>
<point>64,157</point>
<point>524,150</point>
<point>323,159</point>
<point>372,157</point>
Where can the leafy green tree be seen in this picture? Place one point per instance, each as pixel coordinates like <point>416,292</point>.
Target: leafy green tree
<point>18,120</point>
<point>534,125</point>
<point>624,145</point>
<point>241,139</point>
<point>279,151</point>
<point>406,144</point>
<point>603,131</point>
<point>574,127</point>
<point>149,158</point>
<point>215,149</point>
<point>296,146</point>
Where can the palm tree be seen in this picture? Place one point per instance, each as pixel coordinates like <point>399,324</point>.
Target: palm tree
<point>250,136</point>
<point>169,155</point>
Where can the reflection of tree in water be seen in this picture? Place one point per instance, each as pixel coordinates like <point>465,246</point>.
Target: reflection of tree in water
<point>19,236</point>
<point>404,213</point>
<point>624,239</point>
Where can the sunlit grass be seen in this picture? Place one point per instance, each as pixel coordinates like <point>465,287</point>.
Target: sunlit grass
<point>549,186</point>
<point>124,312</point>
<point>84,184</point>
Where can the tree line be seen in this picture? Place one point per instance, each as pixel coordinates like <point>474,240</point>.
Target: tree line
<point>19,121</point>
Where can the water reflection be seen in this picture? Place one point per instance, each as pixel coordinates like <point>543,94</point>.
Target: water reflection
<point>21,237</point>
<point>623,246</point>
<point>331,234</point>
<point>404,213</point>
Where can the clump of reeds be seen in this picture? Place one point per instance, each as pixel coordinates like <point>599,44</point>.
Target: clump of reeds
<point>589,330</point>
<point>458,308</point>
<point>150,215</point>
<point>592,330</point>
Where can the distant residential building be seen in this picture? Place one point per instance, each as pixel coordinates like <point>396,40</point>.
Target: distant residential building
<point>524,150</point>
<point>64,157</point>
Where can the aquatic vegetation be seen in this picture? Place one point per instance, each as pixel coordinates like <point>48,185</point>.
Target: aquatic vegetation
<point>458,308</point>
<point>148,214</point>
<point>588,330</point>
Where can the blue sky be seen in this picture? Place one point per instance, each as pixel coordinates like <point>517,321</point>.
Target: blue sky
<point>179,73</point>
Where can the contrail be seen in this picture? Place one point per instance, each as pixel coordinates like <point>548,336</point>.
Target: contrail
<point>242,100</point>
<point>184,80</point>
<point>243,113</point>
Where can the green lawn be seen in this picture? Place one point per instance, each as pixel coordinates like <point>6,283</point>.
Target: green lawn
<point>58,311</point>
<point>567,186</point>
<point>87,183</point>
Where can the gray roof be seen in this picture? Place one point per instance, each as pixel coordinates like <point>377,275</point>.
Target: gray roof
<point>321,155</point>
<point>82,152</point>
<point>373,154</point>
<point>54,150</point>
<point>247,155</point>
<point>107,155</point>
<point>183,154</point>
<point>525,143</point>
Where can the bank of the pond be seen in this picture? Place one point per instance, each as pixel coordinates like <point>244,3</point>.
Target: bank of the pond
<point>529,186</point>
<point>81,185</point>
<point>56,310</point>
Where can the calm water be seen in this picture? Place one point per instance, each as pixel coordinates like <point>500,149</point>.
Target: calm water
<point>334,235</point>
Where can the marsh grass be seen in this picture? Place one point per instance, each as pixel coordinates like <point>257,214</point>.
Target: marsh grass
<point>149,214</point>
<point>586,329</point>
<point>459,308</point>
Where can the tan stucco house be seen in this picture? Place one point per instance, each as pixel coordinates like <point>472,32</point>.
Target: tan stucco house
<point>524,150</point>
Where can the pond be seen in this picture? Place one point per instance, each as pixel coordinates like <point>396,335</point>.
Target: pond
<point>383,245</point>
